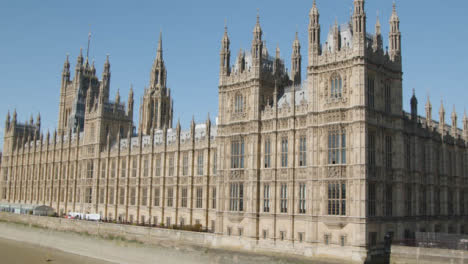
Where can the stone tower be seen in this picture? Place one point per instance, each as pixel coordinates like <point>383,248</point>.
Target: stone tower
<point>156,108</point>
<point>73,92</point>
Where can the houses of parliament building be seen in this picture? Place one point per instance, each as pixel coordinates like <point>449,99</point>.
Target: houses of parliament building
<point>327,163</point>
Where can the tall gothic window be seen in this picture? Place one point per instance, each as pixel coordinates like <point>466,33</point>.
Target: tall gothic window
<point>89,169</point>
<point>370,92</point>
<point>337,147</point>
<point>239,103</point>
<point>237,154</point>
<point>215,162</point>
<point>388,98</point>
<point>132,196</point>
<point>88,197</point>
<point>199,201</point>
<point>302,198</point>
<point>267,158</point>
<point>134,166</point>
<point>302,152</point>
<point>213,197</point>
<point>185,164</point>
<point>284,152</point>
<point>337,198</point>
<point>284,198</point>
<point>371,151</point>
<point>170,196</point>
<point>388,152</point>
<point>103,169</point>
<point>123,171</point>
<point>113,168</point>
<point>171,164</point>
<point>122,196</point>
<point>266,198</point>
<point>371,199</point>
<point>200,162</point>
<point>183,202</point>
<point>157,196</point>
<point>146,167</point>
<point>157,171</point>
<point>423,201</point>
<point>336,87</point>
<point>236,197</point>
<point>408,200</point>
<point>388,200</point>
<point>144,196</point>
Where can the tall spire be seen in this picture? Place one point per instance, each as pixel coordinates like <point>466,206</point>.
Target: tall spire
<point>89,41</point>
<point>159,55</point>
<point>158,72</point>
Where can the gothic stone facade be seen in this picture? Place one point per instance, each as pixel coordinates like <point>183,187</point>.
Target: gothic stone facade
<point>331,163</point>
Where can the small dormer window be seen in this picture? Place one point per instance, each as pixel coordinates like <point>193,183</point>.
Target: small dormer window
<point>336,87</point>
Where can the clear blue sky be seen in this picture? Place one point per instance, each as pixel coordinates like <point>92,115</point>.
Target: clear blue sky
<point>36,35</point>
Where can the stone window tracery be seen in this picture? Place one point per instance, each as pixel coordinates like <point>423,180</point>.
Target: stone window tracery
<point>336,86</point>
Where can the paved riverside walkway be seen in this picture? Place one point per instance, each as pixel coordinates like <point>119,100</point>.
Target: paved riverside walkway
<point>94,250</point>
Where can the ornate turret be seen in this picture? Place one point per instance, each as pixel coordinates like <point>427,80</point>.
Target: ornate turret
<point>377,43</point>
<point>66,70</point>
<point>257,45</point>
<point>130,102</point>
<point>359,25</point>
<point>117,97</point>
<point>225,55</point>
<point>296,60</point>
<point>395,36</point>
<point>38,121</point>
<point>15,115</point>
<point>314,35</point>
<point>465,126</point>
<point>414,107</point>
<point>428,112</point>
<point>454,123</point>
<point>441,118</point>
<point>7,122</point>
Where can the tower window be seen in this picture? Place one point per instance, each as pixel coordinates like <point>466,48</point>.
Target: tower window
<point>302,152</point>
<point>236,201</point>
<point>284,152</point>
<point>266,198</point>
<point>239,104</point>
<point>237,154</point>
<point>370,92</point>
<point>337,198</point>
<point>337,147</point>
<point>267,153</point>
<point>336,87</point>
<point>388,98</point>
<point>284,198</point>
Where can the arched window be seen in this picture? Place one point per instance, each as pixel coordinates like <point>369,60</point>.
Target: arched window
<point>336,86</point>
<point>239,104</point>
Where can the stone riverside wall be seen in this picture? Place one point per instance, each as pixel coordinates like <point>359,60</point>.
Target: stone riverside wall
<point>410,255</point>
<point>152,235</point>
